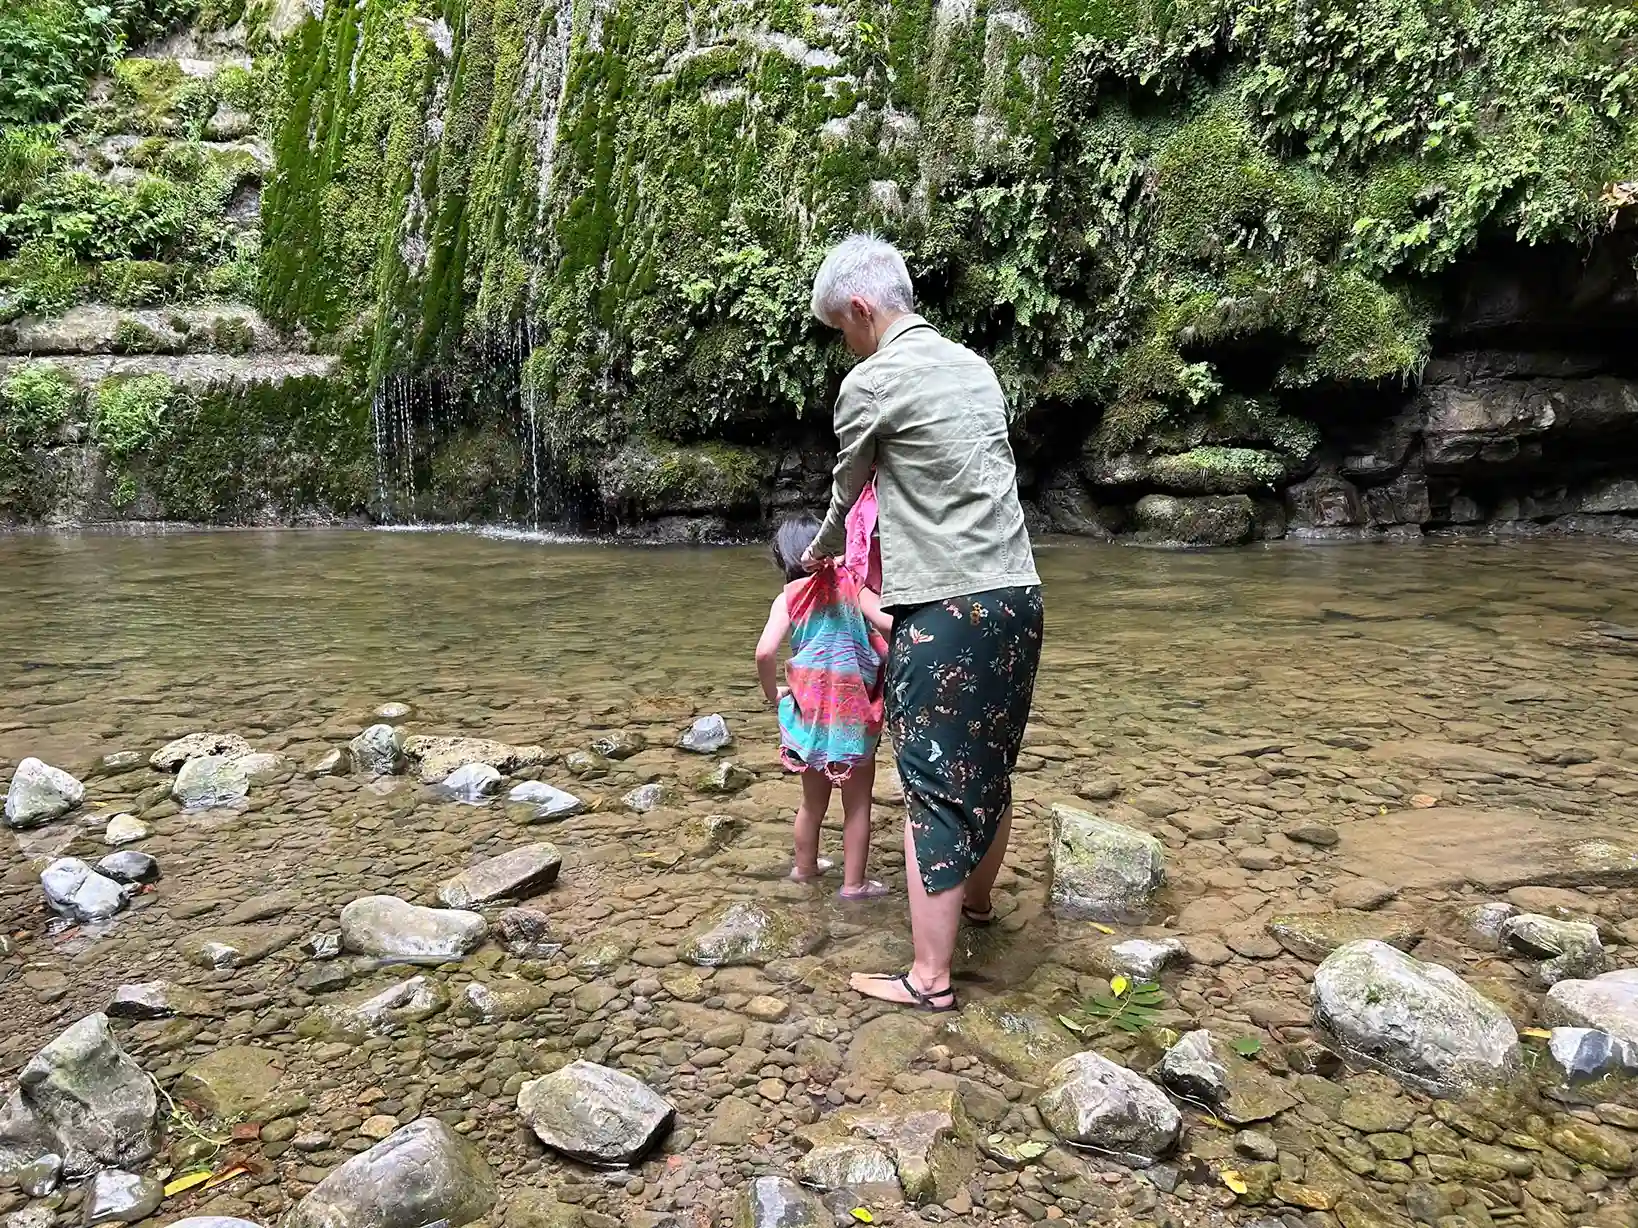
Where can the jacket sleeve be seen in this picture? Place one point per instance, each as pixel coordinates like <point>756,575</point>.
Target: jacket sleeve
<point>857,420</point>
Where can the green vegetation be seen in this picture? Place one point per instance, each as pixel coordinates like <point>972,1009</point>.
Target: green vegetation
<point>49,47</point>
<point>35,400</point>
<point>130,415</point>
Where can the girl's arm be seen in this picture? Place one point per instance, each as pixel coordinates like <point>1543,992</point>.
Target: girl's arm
<point>870,605</point>
<point>767,648</point>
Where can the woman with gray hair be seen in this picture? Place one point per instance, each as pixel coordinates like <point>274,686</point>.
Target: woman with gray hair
<point>928,415</point>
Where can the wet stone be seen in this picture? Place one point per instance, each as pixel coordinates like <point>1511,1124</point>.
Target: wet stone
<point>376,1011</point>
<point>115,1196</point>
<point>129,866</point>
<point>1313,834</point>
<point>744,932</point>
<point>920,1142</point>
<point>235,946</point>
<point>645,798</point>
<point>1093,1102</point>
<point>1374,1113</point>
<point>387,926</point>
<point>378,751</point>
<point>472,783</point>
<point>75,890</point>
<point>1013,1031</point>
<point>161,1000</point>
<point>39,793</point>
<point>594,1114</point>
<point>706,736</point>
<point>527,933</point>
<point>1585,1053</point>
<point>124,829</point>
<point>620,745</point>
<point>778,1202</point>
<point>39,1178</point>
<point>1101,868</point>
<point>119,763</point>
<point>1313,936</point>
<point>435,757</point>
<point>212,780</point>
<point>1143,959</point>
<point>1608,1002</point>
<point>517,873</point>
<point>1200,1069</point>
<point>419,1175</point>
<point>545,803</point>
<point>726,778</point>
<point>1568,949</point>
<point>1417,1020</point>
<point>171,756</point>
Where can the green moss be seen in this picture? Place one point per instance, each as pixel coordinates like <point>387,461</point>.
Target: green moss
<point>28,153</point>
<point>1217,470</point>
<point>649,476</point>
<point>45,277</point>
<point>135,337</point>
<point>134,283</point>
<point>35,399</point>
<point>233,335</point>
<point>129,414</point>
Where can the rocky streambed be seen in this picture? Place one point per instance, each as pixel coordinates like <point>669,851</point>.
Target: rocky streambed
<point>485,953</point>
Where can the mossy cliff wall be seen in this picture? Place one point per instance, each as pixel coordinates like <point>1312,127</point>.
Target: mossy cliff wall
<point>564,249</point>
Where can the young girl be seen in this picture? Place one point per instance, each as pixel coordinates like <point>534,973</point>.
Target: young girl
<point>830,716</point>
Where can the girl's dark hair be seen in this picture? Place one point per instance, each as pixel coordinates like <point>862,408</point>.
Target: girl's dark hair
<point>793,536</point>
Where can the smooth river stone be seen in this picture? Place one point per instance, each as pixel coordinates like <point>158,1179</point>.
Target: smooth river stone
<point>1608,1003</point>
<point>439,756</point>
<point>387,926</point>
<point>230,1081</point>
<point>1100,867</point>
<point>173,755</point>
<point>422,1174</point>
<point>707,736</point>
<point>234,946</point>
<point>75,890</point>
<point>212,780</point>
<point>591,1113</point>
<point>515,874</point>
<point>39,793</point>
<point>86,1094</point>
<point>1093,1102</point>
<point>550,803</point>
<point>115,1196</point>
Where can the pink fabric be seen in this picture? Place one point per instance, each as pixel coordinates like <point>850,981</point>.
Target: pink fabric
<point>863,560</point>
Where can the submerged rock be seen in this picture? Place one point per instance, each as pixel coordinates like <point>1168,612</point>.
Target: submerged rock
<point>527,933</point>
<point>648,797</point>
<point>1093,1102</point>
<point>706,736</point>
<point>1415,1020</point>
<point>78,892</point>
<point>549,803</point>
<point>376,1012</point>
<point>173,755</point>
<point>1313,936</point>
<point>1567,949</point>
<point>1101,868</point>
<point>378,751</point>
<point>1242,1093</point>
<point>517,1000</point>
<point>1013,1031</point>
<point>591,1113</point>
<point>385,925</point>
<point>752,932</point>
<point>234,946</point>
<point>622,744</point>
<point>727,777</point>
<point>778,1202</point>
<point>517,873</point>
<point>84,1099</point>
<point>922,1143</point>
<point>1143,959</point>
<point>39,793</point>
<point>161,1000</point>
<point>1608,1003</point>
<point>423,1174</point>
<point>38,1179</point>
<point>230,1081</point>
<point>116,1196</point>
<point>473,783</point>
<point>437,757</point>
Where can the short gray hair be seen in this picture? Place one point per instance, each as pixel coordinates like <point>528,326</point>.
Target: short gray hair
<point>861,266</point>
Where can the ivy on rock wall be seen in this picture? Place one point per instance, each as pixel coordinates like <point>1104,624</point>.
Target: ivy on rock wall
<point>1170,223</point>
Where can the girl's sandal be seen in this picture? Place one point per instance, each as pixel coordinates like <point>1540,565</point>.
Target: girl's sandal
<point>929,1002</point>
<point>869,890</point>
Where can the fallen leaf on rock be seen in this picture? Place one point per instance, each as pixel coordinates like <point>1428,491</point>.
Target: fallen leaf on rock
<point>1536,1033</point>
<point>187,1181</point>
<point>863,1215</point>
<point>247,1131</point>
<point>1234,1180</point>
<point>226,1175</point>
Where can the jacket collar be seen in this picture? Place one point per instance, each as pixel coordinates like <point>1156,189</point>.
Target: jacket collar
<point>901,326</point>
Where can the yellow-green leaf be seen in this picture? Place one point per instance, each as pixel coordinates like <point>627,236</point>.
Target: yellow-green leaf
<point>863,1215</point>
<point>1103,929</point>
<point>1536,1033</point>
<point>1234,1180</point>
<point>187,1181</point>
<point>1119,985</point>
<point>1216,1121</point>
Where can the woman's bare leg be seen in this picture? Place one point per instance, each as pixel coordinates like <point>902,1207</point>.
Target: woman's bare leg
<point>976,890</point>
<point>935,919</point>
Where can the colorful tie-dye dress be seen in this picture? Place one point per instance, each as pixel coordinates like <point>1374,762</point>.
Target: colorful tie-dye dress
<point>832,718</point>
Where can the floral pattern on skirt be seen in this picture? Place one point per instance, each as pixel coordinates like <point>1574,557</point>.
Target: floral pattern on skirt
<point>960,681</point>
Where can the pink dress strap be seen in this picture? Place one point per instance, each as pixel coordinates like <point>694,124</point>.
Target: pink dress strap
<point>862,560</point>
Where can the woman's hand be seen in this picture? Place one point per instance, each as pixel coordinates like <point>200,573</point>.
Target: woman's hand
<point>812,562</point>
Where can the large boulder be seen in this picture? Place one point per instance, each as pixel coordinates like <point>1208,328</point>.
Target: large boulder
<point>116,1196</point>
<point>591,1113</point>
<point>387,926</point>
<point>1239,1090</point>
<point>81,1097</point>
<point>517,873</point>
<point>39,793</point>
<point>173,755</point>
<point>1209,520</point>
<point>422,1174</point>
<point>922,1143</point>
<point>1092,1102</point>
<point>212,780</point>
<point>752,932</point>
<point>1101,868</point>
<point>1608,1003</point>
<point>435,757</point>
<point>78,892</point>
<point>1415,1020</point>
<point>378,751</point>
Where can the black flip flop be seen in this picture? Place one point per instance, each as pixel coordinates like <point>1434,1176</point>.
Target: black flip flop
<point>920,1001</point>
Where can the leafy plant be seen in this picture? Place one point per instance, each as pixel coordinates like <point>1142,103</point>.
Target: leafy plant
<point>1128,1005</point>
<point>35,398</point>
<point>130,414</point>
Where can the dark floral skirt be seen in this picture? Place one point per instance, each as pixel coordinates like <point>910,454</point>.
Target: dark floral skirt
<point>960,680</point>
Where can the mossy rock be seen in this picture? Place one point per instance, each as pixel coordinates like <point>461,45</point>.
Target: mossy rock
<point>1207,520</point>
<point>648,478</point>
<point>752,932</point>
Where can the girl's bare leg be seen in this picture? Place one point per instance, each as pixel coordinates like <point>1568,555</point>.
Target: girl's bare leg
<point>809,816</point>
<point>856,824</point>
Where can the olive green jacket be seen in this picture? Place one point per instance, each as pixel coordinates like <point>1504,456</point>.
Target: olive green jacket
<point>929,416</point>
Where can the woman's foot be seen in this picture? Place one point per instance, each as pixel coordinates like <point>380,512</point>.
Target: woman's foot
<point>899,989</point>
<point>870,889</point>
<point>822,867</point>
<point>978,912</point>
